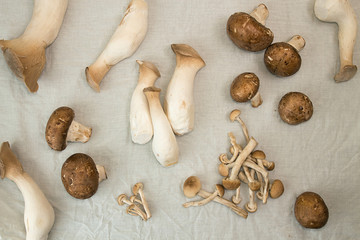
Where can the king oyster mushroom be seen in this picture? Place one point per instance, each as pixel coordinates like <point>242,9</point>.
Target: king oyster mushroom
<point>61,128</point>
<point>80,175</point>
<point>295,108</point>
<point>245,87</point>
<point>248,32</point>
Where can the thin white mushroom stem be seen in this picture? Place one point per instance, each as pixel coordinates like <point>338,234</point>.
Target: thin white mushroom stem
<point>223,158</point>
<point>265,175</point>
<point>235,115</point>
<point>78,133</point>
<point>123,43</point>
<point>260,193</point>
<point>251,206</point>
<point>236,198</point>
<point>253,184</point>
<point>25,55</point>
<point>102,172</point>
<point>298,42</point>
<point>261,13</point>
<point>135,210</point>
<point>219,191</point>
<point>243,177</point>
<point>238,210</point>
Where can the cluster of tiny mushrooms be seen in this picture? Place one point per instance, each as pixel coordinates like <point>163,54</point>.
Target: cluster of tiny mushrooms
<point>25,57</point>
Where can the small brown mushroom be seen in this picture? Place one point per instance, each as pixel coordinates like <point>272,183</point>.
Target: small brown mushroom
<point>282,59</point>
<point>248,32</point>
<point>276,189</point>
<point>295,108</point>
<point>245,87</point>
<point>311,210</point>
<point>81,176</point>
<point>61,128</point>
<point>138,189</point>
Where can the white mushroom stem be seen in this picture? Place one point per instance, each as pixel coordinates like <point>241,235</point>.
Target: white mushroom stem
<point>243,127</point>
<point>140,119</point>
<point>251,206</point>
<point>135,210</point>
<point>256,100</point>
<point>164,143</point>
<point>298,42</point>
<point>260,193</point>
<point>78,133</point>
<point>238,210</point>
<point>236,198</point>
<point>223,158</point>
<point>123,43</point>
<point>102,172</point>
<point>144,203</point>
<point>243,177</point>
<point>341,12</point>
<point>179,100</point>
<point>242,157</point>
<point>39,215</point>
<point>202,202</point>
<point>265,175</point>
<point>25,55</point>
<point>252,182</point>
<point>261,13</point>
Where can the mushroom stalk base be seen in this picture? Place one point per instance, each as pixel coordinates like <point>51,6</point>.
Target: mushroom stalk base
<point>297,42</point>
<point>261,13</point>
<point>102,172</point>
<point>78,133</point>
<point>256,100</point>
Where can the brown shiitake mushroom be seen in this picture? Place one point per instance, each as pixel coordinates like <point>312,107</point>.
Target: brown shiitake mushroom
<point>81,176</point>
<point>295,108</point>
<point>276,189</point>
<point>311,210</point>
<point>283,59</point>
<point>245,87</point>
<point>61,128</point>
<point>248,32</point>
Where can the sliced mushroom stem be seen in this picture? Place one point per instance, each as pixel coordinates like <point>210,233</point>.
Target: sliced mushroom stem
<point>242,157</point>
<point>298,42</point>
<point>261,13</point>
<point>78,133</point>
<point>102,172</point>
<point>236,198</point>
<point>135,210</point>
<point>256,100</point>
<point>238,210</point>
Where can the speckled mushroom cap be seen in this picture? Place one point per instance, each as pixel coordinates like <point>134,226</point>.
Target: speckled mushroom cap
<point>192,186</point>
<point>247,33</point>
<point>244,87</point>
<point>295,108</point>
<point>282,59</point>
<point>80,176</point>
<point>57,127</point>
<point>311,210</point>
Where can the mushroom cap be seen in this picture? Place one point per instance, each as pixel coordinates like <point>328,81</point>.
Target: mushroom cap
<point>258,154</point>
<point>244,87</point>
<point>80,176</point>
<point>311,210</point>
<point>251,210</point>
<point>234,114</point>
<point>247,33</point>
<point>192,186</point>
<point>277,189</point>
<point>282,59</point>
<point>120,199</point>
<point>270,166</point>
<point>138,186</point>
<point>220,189</point>
<point>223,170</point>
<point>231,184</point>
<point>57,127</point>
<point>255,185</point>
<point>295,108</point>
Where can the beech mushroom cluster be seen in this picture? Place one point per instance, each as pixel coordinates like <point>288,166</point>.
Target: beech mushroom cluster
<point>136,206</point>
<point>250,167</point>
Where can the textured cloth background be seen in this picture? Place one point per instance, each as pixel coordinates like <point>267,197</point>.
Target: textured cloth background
<point>321,155</point>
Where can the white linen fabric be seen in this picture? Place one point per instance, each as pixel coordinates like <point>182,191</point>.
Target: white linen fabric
<point>321,155</point>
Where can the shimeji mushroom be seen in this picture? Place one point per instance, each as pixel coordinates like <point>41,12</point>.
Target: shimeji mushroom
<point>179,99</point>
<point>254,185</point>
<point>39,215</point>
<point>25,55</point>
<point>135,210</point>
<point>80,176</point>
<point>295,108</point>
<point>251,206</point>
<point>223,158</point>
<point>138,189</point>
<point>245,87</point>
<point>140,119</point>
<point>219,191</point>
<point>248,31</point>
<point>61,128</point>
<point>164,143</point>
<point>123,43</point>
<point>341,12</point>
<point>283,59</point>
<point>276,189</point>
<point>235,115</point>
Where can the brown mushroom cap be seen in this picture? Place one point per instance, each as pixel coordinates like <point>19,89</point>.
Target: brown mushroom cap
<point>57,127</point>
<point>244,87</point>
<point>282,59</point>
<point>277,189</point>
<point>258,154</point>
<point>80,176</point>
<point>247,33</point>
<point>138,186</point>
<point>223,170</point>
<point>234,114</point>
<point>192,186</point>
<point>255,185</point>
<point>311,210</point>
<point>231,184</point>
<point>295,108</point>
<point>220,189</point>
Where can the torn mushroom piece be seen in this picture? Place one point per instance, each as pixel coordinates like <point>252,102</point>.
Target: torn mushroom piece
<point>344,15</point>
<point>245,87</point>
<point>39,215</point>
<point>248,32</point>
<point>179,99</point>
<point>61,128</point>
<point>295,108</point>
<point>283,59</point>
<point>219,191</point>
<point>80,176</point>
<point>25,55</point>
